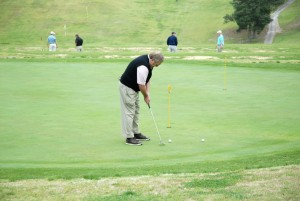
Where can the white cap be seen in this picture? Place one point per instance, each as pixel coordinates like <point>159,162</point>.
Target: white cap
<point>52,33</point>
<point>219,32</point>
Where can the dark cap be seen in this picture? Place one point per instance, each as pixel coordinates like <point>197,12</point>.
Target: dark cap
<point>173,32</point>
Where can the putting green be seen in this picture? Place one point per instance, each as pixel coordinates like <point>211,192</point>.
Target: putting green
<point>67,114</point>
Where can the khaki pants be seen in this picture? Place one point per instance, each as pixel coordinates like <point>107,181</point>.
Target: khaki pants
<point>220,48</point>
<point>79,48</point>
<point>130,110</point>
<point>52,47</point>
<point>172,48</point>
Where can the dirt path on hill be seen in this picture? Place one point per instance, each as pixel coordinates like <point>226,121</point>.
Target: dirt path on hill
<point>274,27</point>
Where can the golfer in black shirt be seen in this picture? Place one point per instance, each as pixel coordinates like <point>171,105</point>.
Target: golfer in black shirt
<point>135,79</point>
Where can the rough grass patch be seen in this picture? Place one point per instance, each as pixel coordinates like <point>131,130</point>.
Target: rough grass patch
<point>277,183</point>
<point>221,181</point>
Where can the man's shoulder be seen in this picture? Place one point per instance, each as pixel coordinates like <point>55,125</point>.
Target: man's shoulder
<point>143,56</point>
<point>141,60</point>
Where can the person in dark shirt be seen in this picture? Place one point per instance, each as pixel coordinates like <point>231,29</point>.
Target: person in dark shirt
<point>78,43</point>
<point>135,79</point>
<point>172,42</point>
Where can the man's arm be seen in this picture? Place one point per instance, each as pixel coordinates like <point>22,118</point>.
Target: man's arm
<point>145,91</point>
<point>148,87</point>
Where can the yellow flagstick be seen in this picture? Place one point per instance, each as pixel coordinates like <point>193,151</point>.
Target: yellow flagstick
<point>169,106</point>
<point>42,43</point>
<point>87,12</point>
<point>225,73</point>
<point>65,28</point>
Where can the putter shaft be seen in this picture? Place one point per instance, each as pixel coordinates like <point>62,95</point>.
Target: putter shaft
<point>155,124</point>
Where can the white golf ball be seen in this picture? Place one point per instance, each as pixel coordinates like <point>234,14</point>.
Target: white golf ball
<point>202,140</point>
<point>170,141</point>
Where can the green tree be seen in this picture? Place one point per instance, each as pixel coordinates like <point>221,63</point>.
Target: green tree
<point>252,15</point>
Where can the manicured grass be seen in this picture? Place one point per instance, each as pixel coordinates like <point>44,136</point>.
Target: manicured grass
<point>60,120</point>
<point>66,115</point>
<point>262,160</point>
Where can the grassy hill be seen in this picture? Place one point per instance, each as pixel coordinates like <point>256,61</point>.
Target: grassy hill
<point>289,22</point>
<point>118,23</point>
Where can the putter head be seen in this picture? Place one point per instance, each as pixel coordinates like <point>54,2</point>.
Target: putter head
<point>162,143</point>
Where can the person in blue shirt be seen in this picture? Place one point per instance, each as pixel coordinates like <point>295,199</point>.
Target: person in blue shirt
<point>220,41</point>
<point>172,42</point>
<point>52,44</point>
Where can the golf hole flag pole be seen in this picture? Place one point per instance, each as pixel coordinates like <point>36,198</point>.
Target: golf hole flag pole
<point>225,73</point>
<point>42,44</point>
<point>65,28</point>
<point>169,105</point>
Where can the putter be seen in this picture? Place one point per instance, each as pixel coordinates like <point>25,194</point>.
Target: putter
<point>160,140</point>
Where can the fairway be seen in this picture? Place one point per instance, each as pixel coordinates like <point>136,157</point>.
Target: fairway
<point>67,115</point>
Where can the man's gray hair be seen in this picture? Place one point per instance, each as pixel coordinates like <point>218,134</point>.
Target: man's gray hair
<point>157,56</point>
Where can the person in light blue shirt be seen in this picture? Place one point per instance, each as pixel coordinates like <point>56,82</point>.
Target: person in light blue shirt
<point>52,44</point>
<point>220,41</point>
